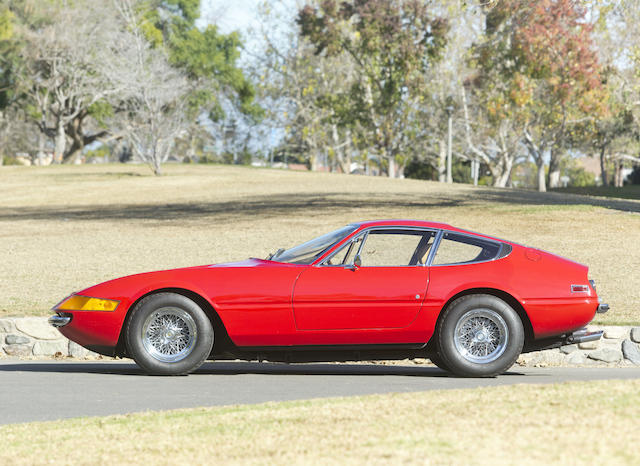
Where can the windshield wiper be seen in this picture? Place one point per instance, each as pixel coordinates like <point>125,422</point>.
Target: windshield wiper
<point>275,254</point>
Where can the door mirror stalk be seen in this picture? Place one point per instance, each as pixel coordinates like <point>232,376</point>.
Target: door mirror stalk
<point>357,263</point>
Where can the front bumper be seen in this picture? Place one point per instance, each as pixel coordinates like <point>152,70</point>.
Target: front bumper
<point>58,320</point>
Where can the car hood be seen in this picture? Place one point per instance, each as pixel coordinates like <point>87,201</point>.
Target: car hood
<point>179,277</point>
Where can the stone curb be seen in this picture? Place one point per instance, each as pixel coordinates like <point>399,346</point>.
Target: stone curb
<point>33,337</point>
<point>619,346</point>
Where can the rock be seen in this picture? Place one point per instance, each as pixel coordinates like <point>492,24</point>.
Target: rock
<point>6,326</point>
<point>617,333</point>
<point>16,340</point>
<point>19,351</point>
<point>589,345</point>
<point>553,358</point>
<point>568,349</point>
<point>635,334</point>
<point>77,351</point>
<point>606,355</point>
<point>38,328</point>
<point>530,359</point>
<point>577,358</point>
<point>51,348</point>
<point>631,352</point>
<point>542,358</point>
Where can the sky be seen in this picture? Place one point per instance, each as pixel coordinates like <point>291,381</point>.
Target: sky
<point>229,15</point>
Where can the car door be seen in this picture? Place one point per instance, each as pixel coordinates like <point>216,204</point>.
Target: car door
<point>377,280</point>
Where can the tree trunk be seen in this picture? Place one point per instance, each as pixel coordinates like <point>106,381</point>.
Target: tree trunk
<point>618,181</point>
<point>392,166</point>
<point>40,155</point>
<point>367,163</point>
<point>156,165</point>
<point>475,169</point>
<point>60,143</point>
<point>339,151</point>
<point>554,179</point>
<point>74,130</point>
<point>449,155</point>
<point>501,179</point>
<point>400,170</point>
<point>603,168</point>
<point>442,161</point>
<point>542,186</point>
<point>313,161</point>
<point>191,150</point>
<point>347,151</point>
<point>554,171</point>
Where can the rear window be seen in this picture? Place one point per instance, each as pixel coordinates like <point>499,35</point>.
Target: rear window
<point>456,248</point>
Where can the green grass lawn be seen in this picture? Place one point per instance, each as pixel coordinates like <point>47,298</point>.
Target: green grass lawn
<point>64,228</point>
<point>626,192</point>
<point>569,423</point>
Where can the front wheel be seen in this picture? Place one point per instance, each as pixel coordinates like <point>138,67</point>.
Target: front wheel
<point>480,336</point>
<point>169,334</point>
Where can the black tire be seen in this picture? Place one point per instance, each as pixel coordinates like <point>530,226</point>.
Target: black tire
<point>436,359</point>
<point>168,334</point>
<point>479,335</point>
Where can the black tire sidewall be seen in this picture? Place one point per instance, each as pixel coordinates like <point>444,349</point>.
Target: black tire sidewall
<point>454,361</point>
<point>133,336</point>
<point>437,360</point>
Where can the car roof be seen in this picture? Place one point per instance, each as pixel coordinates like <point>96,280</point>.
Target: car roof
<point>422,224</point>
<point>403,223</point>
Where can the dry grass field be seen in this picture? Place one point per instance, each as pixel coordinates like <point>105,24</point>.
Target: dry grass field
<point>64,228</point>
<point>571,423</point>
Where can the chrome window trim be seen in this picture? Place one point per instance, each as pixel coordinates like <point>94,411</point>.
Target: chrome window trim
<point>365,233</point>
<point>497,257</point>
<point>434,248</point>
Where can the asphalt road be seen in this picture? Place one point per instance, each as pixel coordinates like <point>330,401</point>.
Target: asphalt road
<point>39,391</point>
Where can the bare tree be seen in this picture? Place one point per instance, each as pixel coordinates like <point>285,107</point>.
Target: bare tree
<point>155,96</point>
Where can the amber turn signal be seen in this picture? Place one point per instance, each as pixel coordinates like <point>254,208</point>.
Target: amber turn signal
<point>85,303</point>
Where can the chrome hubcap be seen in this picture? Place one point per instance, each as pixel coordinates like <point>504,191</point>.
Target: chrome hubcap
<point>169,334</point>
<point>481,336</point>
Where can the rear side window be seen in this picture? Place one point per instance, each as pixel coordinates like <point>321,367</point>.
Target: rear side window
<point>455,248</point>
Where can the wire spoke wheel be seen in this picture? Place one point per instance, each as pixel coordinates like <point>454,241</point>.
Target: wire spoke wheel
<point>169,334</point>
<point>481,336</point>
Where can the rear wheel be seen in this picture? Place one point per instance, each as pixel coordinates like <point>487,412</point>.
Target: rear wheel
<point>479,336</point>
<point>169,334</point>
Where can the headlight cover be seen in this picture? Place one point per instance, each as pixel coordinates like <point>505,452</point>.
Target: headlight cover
<point>85,303</point>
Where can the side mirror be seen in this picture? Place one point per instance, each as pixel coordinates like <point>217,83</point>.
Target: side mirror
<point>357,263</point>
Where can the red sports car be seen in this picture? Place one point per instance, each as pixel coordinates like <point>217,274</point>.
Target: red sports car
<point>373,290</point>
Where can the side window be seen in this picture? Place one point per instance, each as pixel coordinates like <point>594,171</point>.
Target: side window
<point>389,248</point>
<point>461,249</point>
<point>345,254</point>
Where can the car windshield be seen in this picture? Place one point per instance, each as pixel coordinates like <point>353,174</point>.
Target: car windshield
<point>307,252</point>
